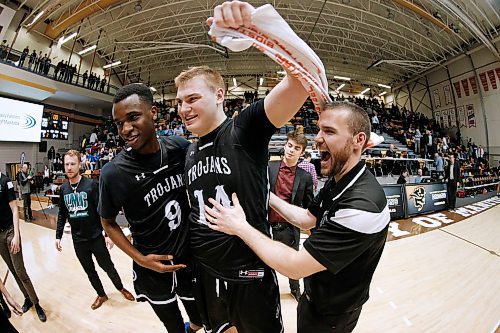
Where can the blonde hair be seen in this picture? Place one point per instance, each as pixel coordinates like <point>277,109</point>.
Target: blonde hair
<point>74,153</point>
<point>212,78</point>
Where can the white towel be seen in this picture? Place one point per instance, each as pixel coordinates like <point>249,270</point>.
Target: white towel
<point>272,36</point>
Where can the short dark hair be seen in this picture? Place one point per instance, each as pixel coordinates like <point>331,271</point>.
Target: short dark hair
<point>358,121</point>
<point>141,90</point>
<point>298,137</point>
<point>307,154</point>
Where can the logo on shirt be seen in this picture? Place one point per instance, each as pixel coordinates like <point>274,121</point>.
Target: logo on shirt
<point>252,274</point>
<point>418,196</point>
<point>141,176</point>
<point>77,204</point>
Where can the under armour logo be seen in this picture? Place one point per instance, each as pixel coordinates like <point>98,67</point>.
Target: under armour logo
<point>141,176</point>
<point>191,153</point>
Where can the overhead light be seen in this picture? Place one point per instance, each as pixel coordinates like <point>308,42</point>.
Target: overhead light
<point>384,86</point>
<point>341,86</point>
<point>36,18</point>
<point>116,63</point>
<point>261,81</point>
<point>153,89</point>
<point>234,82</point>
<point>382,94</point>
<point>65,39</point>
<point>364,91</point>
<point>281,72</point>
<point>138,6</point>
<point>88,49</point>
<point>342,78</point>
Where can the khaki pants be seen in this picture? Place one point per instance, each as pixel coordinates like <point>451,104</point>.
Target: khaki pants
<point>15,263</point>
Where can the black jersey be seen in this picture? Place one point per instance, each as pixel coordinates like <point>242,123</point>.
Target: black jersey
<point>6,196</point>
<point>151,192</point>
<point>351,229</point>
<point>230,159</point>
<point>79,206</point>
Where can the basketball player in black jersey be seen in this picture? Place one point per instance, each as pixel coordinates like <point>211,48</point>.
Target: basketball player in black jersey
<point>78,205</point>
<point>146,181</point>
<point>234,288</point>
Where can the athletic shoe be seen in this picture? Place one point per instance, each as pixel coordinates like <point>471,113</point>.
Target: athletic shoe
<point>40,313</point>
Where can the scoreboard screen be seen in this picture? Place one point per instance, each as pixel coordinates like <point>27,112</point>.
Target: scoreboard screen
<point>54,126</point>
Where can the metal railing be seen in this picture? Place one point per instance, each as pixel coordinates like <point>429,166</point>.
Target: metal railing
<point>14,58</point>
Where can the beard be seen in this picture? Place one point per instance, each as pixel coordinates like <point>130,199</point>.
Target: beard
<point>338,159</point>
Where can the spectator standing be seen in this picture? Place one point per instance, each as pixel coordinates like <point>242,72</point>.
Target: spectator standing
<point>309,167</point>
<point>23,56</point>
<point>453,179</point>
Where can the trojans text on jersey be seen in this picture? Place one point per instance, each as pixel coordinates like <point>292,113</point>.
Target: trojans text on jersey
<point>166,185</point>
<point>211,164</point>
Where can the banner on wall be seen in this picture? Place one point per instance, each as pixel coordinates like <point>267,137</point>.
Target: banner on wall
<point>444,114</point>
<point>437,117</point>
<point>484,81</point>
<point>453,117</point>
<point>437,100</point>
<point>6,16</point>
<point>465,85</point>
<point>461,116</point>
<point>457,89</point>
<point>473,84</point>
<point>493,80</point>
<point>471,117</point>
<point>497,70</point>
<point>447,95</point>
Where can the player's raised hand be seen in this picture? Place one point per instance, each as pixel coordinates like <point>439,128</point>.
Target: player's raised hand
<point>232,14</point>
<point>231,220</point>
<point>154,262</point>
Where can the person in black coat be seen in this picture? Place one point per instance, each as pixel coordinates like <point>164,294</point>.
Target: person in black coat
<point>295,185</point>
<point>453,179</point>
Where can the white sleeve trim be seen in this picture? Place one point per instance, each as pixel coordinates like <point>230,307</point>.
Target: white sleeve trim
<point>362,221</point>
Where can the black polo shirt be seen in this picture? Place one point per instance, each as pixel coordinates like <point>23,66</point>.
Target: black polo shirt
<point>6,196</point>
<point>351,229</point>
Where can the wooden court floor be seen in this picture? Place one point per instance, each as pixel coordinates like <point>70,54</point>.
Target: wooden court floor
<point>445,280</point>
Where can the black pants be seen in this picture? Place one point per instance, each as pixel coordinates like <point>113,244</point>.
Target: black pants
<point>171,317</point>
<point>288,235</point>
<point>309,320</point>
<point>5,324</point>
<point>97,247</point>
<point>28,214</point>
<point>452,193</point>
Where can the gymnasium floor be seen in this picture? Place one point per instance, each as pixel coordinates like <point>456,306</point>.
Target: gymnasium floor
<point>444,280</point>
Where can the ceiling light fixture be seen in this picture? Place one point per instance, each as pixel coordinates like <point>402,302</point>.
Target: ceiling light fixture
<point>88,49</point>
<point>116,63</point>
<point>153,89</point>
<point>261,81</point>
<point>138,6</point>
<point>364,91</point>
<point>235,84</point>
<point>65,39</point>
<point>342,78</point>
<point>384,86</point>
<point>341,86</point>
<point>37,17</point>
<point>382,94</point>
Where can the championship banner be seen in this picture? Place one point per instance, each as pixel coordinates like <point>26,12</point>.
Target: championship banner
<point>461,116</point>
<point>447,95</point>
<point>471,117</point>
<point>497,70</point>
<point>395,201</point>
<point>425,198</point>
<point>473,84</point>
<point>457,89</point>
<point>465,85</point>
<point>493,80</point>
<point>437,100</point>
<point>445,118</point>
<point>453,117</point>
<point>484,81</point>
<point>437,116</point>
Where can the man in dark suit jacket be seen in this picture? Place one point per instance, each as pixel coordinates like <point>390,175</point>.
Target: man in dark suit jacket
<point>295,185</point>
<point>452,178</point>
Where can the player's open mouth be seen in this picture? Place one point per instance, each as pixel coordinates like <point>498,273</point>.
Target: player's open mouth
<point>325,156</point>
<point>132,139</point>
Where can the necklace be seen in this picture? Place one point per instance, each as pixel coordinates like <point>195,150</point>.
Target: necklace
<point>74,188</point>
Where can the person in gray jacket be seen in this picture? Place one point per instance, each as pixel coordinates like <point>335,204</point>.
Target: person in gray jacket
<point>25,180</point>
